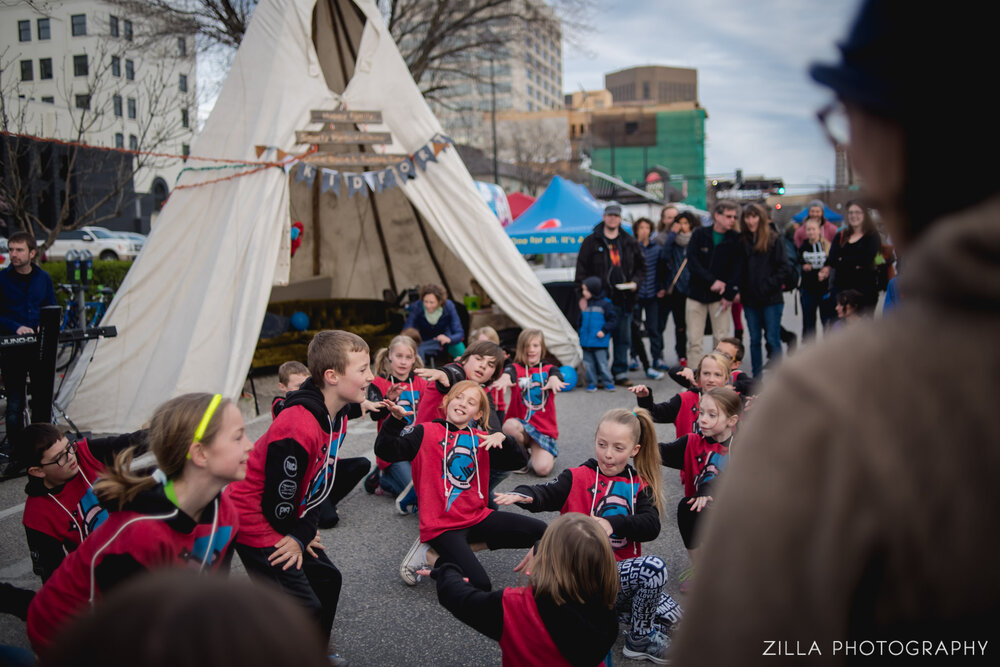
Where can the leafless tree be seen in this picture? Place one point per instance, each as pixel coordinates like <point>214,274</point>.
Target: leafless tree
<point>538,148</point>
<point>434,36</point>
<point>94,184</point>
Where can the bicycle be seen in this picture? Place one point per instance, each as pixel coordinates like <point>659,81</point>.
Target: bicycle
<point>69,350</point>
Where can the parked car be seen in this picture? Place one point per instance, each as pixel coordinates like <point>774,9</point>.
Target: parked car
<point>4,253</point>
<point>102,244</point>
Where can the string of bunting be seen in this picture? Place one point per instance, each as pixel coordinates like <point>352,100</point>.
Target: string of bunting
<point>334,181</point>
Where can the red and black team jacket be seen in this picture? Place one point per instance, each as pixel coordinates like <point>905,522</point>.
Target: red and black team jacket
<point>434,392</point>
<point>290,471</point>
<point>150,533</point>
<point>451,470</point>
<point>681,411</point>
<point>57,520</point>
<point>531,629</point>
<point>625,501</point>
<point>529,401</point>
<point>411,390</point>
<point>700,459</point>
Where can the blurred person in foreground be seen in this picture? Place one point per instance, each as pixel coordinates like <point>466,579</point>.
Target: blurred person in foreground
<point>169,619</point>
<point>861,502</point>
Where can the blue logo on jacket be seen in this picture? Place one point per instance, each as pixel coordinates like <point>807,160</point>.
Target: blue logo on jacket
<point>460,466</point>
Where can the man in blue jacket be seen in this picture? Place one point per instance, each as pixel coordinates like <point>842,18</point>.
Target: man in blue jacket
<point>24,289</point>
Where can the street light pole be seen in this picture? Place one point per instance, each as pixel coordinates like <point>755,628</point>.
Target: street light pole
<point>493,120</point>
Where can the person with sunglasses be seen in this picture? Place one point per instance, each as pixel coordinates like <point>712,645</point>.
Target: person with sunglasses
<point>61,509</point>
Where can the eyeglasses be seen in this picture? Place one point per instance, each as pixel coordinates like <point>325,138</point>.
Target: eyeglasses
<point>833,119</point>
<point>63,456</point>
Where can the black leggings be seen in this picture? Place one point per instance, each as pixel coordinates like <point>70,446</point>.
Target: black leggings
<point>316,586</point>
<point>687,522</point>
<point>500,530</point>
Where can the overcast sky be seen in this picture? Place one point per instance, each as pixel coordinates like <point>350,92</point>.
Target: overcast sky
<point>752,59</point>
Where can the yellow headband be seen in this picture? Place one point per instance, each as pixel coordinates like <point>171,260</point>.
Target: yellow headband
<point>207,417</point>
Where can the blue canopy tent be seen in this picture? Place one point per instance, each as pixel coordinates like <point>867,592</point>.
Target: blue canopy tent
<point>829,213</point>
<point>558,221</point>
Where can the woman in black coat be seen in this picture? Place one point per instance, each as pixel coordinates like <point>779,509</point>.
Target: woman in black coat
<point>765,273</point>
<point>852,257</point>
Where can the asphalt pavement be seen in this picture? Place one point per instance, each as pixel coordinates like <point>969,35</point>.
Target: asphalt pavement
<point>380,620</point>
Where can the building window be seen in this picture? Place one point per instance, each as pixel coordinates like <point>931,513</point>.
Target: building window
<point>128,30</point>
<point>129,70</point>
<point>113,27</point>
<point>116,66</point>
<point>117,103</point>
<point>182,83</point>
<point>24,31</point>
<point>83,101</point>
<point>27,71</point>
<point>48,99</point>
<point>80,65</point>
<point>79,24</point>
<point>132,108</point>
<point>645,90</point>
<point>133,142</point>
<point>119,140</point>
<point>43,29</point>
<point>182,49</point>
<point>184,118</point>
<point>45,68</point>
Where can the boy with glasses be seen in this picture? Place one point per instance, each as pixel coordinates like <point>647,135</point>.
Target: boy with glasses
<point>61,509</point>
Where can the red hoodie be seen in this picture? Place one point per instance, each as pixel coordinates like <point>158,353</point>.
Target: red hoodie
<point>531,402</point>
<point>451,470</point>
<point>150,533</point>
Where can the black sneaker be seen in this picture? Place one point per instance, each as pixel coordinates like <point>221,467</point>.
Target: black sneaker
<point>623,382</point>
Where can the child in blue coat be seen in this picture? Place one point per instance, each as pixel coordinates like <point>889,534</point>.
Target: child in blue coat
<point>597,321</point>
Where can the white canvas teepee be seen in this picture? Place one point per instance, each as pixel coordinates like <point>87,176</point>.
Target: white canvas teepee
<point>190,309</point>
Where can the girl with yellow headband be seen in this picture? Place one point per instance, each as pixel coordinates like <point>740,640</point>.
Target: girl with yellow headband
<point>174,518</point>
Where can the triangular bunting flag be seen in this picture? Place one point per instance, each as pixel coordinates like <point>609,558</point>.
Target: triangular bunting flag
<point>443,137</point>
<point>385,179</point>
<point>281,155</point>
<point>370,180</point>
<point>305,172</point>
<point>330,180</point>
<point>438,146</point>
<point>405,169</point>
<point>356,183</point>
<point>423,156</point>
<point>260,150</point>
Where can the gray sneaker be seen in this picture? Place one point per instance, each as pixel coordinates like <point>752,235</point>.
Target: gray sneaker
<point>416,559</point>
<point>652,647</point>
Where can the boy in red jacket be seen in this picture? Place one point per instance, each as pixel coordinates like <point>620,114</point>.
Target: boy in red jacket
<point>291,473</point>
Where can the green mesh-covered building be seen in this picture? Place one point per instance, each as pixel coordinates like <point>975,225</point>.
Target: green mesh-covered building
<point>627,142</point>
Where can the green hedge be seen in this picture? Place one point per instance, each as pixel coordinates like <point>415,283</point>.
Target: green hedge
<point>108,274</point>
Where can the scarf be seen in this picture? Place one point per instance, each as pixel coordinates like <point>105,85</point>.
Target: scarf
<point>432,318</point>
<point>682,239</point>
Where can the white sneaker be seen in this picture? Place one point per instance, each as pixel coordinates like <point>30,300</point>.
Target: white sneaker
<point>416,559</point>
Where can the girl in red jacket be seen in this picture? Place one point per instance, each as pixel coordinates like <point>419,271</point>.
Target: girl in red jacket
<point>702,457</point>
<point>563,617</point>
<point>451,471</point>
<point>531,418</point>
<point>177,518</point>
<point>395,380</point>
<point>682,410</point>
<point>625,502</point>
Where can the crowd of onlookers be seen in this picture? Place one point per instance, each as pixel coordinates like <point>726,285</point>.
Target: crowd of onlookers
<point>726,275</point>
